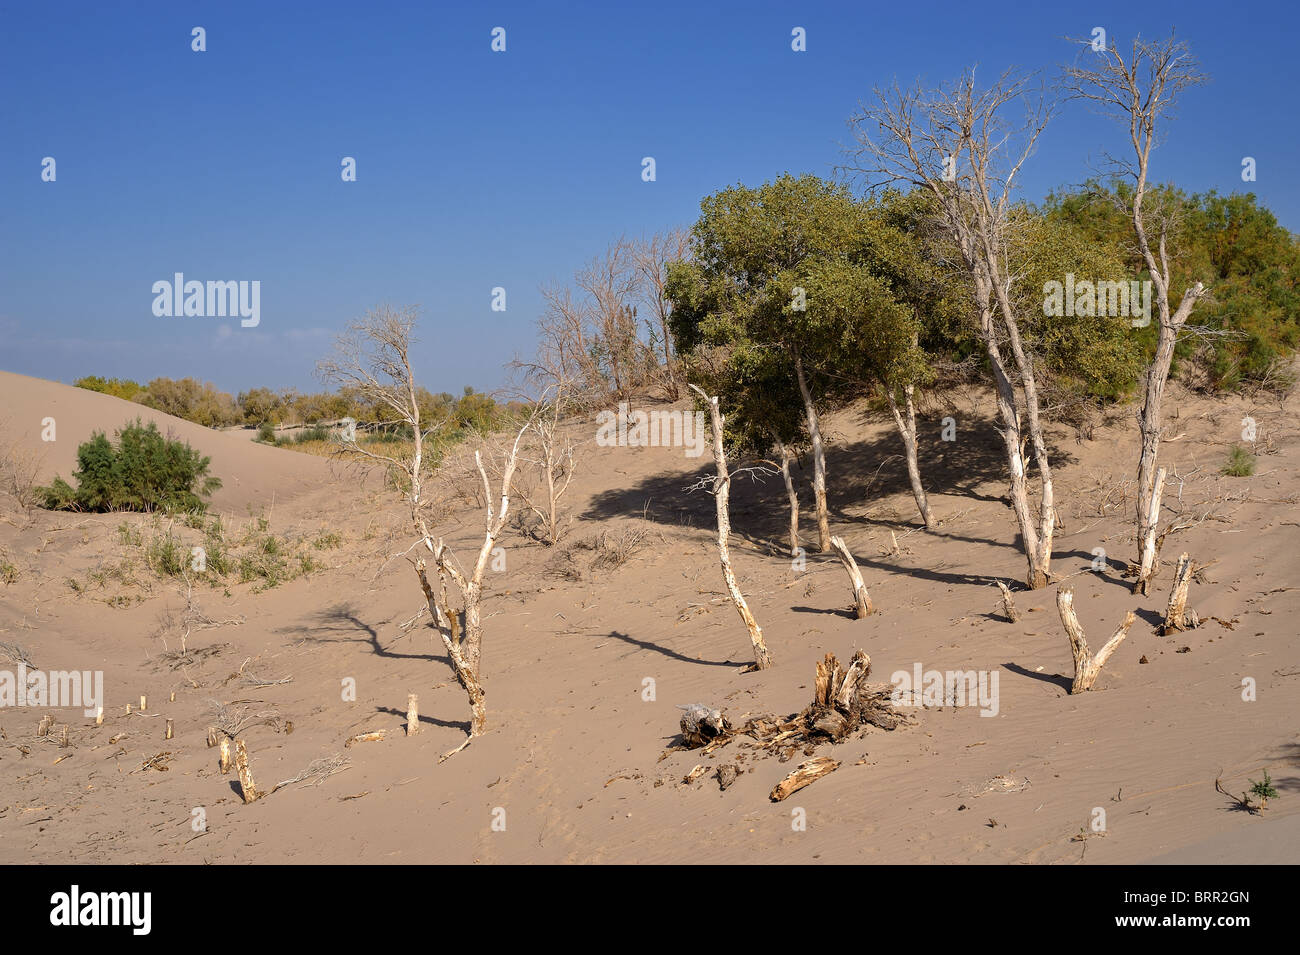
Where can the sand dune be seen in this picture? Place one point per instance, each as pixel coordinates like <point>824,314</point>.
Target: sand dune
<point>573,765</point>
<point>251,473</point>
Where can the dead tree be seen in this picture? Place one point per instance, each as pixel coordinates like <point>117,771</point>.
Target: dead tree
<point>955,144</point>
<point>791,495</point>
<point>1147,546</point>
<point>463,638</point>
<point>609,283</point>
<point>556,396</point>
<point>1141,91</point>
<point>652,257</point>
<point>905,419</point>
<point>861,598</point>
<point>818,456</point>
<point>721,496</point>
<point>1086,666</point>
<point>373,357</point>
<point>1177,616</point>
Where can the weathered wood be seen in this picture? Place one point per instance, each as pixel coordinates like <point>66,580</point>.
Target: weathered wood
<point>1008,605</point>
<point>701,724</point>
<point>412,714</point>
<point>372,737</point>
<point>1177,616</point>
<point>1086,666</point>
<point>1147,532</point>
<point>169,730</point>
<point>808,772</point>
<point>246,786</point>
<point>860,595</point>
<point>727,774</point>
<point>854,678</point>
<point>223,758</point>
<point>693,775</point>
<point>721,496</point>
<point>465,674</point>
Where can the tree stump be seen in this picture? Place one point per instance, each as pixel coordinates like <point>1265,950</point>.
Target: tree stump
<point>1177,616</point>
<point>1008,605</point>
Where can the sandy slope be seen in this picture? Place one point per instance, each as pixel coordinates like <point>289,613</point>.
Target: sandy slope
<point>250,476</point>
<point>574,753</point>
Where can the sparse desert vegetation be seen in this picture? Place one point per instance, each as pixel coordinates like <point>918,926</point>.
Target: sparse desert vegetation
<point>913,512</point>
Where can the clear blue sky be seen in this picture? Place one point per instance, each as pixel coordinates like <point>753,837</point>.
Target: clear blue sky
<point>478,169</point>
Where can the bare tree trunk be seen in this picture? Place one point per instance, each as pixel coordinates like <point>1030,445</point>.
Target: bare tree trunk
<point>1150,417</point>
<point>791,495</point>
<point>722,495</point>
<point>467,677</point>
<point>1147,524</point>
<point>1086,666</point>
<point>860,595</point>
<point>1018,489</point>
<point>907,430</point>
<point>819,459</point>
<point>1041,559</point>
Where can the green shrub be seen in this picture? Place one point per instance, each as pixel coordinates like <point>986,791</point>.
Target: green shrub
<point>142,471</point>
<point>167,555</point>
<point>1241,463</point>
<point>266,433</point>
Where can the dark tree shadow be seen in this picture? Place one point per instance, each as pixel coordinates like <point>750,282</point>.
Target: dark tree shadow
<point>1064,682</point>
<point>858,473</point>
<point>671,654</point>
<point>431,720</point>
<point>342,624</point>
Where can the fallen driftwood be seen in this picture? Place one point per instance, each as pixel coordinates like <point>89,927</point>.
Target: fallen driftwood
<point>702,724</point>
<point>808,772</point>
<point>843,702</point>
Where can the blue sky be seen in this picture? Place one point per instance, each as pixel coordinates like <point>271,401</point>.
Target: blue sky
<point>478,169</point>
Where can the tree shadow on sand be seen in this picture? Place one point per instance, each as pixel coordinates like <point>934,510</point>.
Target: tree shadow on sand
<point>857,474</point>
<point>463,726</point>
<point>670,653</point>
<point>342,624</point>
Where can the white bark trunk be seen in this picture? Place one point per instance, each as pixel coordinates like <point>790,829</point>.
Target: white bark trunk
<point>722,494</point>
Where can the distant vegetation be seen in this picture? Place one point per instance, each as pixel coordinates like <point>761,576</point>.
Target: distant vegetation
<point>202,403</point>
<point>141,471</point>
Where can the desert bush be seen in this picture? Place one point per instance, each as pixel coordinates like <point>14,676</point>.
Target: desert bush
<point>142,471</point>
<point>1241,463</point>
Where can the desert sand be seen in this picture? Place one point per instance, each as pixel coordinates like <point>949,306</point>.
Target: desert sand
<point>573,768</point>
